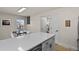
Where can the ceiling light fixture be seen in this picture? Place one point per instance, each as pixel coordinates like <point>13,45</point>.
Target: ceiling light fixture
<point>21,10</point>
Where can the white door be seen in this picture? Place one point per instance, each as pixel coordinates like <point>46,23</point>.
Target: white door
<point>44,22</point>
<point>55,24</point>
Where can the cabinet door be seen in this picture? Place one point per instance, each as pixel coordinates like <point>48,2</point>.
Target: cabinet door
<point>49,44</point>
<point>45,46</point>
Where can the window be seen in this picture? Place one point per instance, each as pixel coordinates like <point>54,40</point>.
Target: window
<point>28,19</point>
<point>20,24</point>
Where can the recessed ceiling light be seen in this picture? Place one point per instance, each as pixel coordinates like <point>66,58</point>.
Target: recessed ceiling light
<point>21,10</point>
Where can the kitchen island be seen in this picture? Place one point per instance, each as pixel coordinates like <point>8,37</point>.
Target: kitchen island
<point>31,42</point>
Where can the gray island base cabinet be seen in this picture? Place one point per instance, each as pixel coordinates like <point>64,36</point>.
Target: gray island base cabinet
<point>31,42</point>
<point>47,45</point>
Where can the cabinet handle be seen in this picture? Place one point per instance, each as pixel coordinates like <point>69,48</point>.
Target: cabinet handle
<point>47,43</point>
<point>50,45</point>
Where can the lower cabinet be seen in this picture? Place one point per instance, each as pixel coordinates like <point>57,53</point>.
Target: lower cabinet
<point>49,44</point>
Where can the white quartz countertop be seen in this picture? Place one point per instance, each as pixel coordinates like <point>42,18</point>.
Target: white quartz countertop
<point>25,42</point>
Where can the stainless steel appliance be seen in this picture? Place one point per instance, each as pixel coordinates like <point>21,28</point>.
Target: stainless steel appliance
<point>78,36</point>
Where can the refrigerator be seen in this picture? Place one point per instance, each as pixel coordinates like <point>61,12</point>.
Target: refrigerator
<point>78,35</point>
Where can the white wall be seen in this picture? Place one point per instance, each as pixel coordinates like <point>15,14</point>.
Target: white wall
<point>68,36</point>
<point>5,31</point>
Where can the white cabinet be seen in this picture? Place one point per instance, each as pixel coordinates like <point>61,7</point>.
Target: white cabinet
<point>48,45</point>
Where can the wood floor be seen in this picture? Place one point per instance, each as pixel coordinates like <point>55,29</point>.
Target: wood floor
<point>61,48</point>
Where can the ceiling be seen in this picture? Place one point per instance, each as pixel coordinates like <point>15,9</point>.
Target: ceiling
<point>28,12</point>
